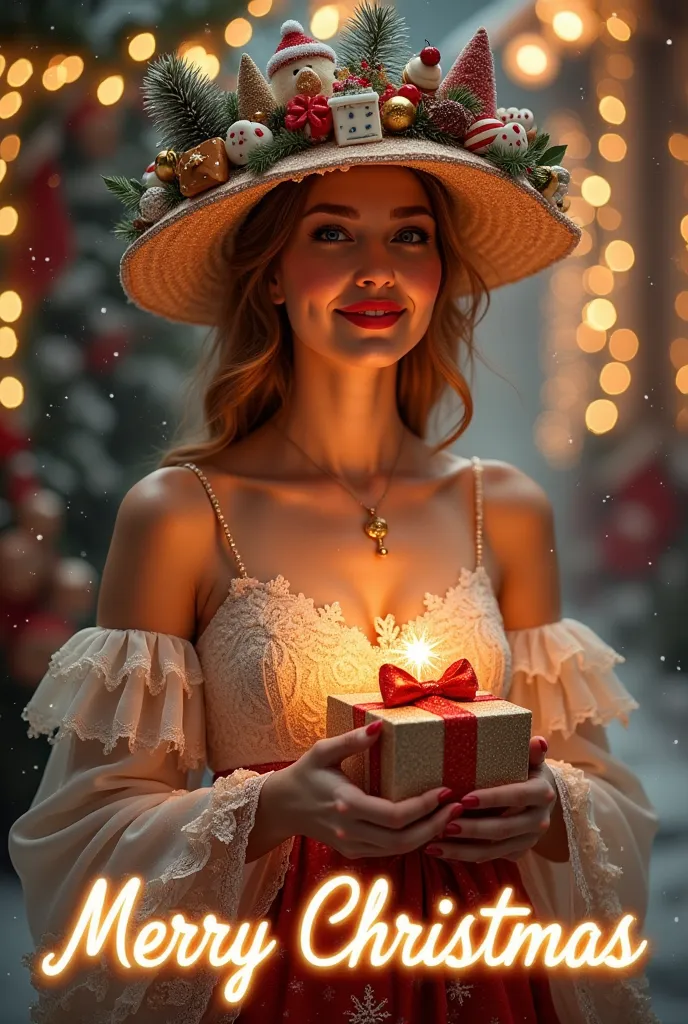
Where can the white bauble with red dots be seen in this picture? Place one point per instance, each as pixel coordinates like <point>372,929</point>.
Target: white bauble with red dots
<point>243,137</point>
<point>511,139</point>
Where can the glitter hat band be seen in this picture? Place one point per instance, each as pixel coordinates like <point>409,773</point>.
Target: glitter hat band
<point>375,103</point>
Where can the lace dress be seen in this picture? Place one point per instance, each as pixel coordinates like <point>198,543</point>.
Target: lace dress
<point>249,697</point>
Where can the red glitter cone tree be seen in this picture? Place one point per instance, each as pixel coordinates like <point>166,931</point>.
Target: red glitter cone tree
<point>474,67</point>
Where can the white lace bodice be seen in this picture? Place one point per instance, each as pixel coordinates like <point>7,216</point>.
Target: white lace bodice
<point>270,656</point>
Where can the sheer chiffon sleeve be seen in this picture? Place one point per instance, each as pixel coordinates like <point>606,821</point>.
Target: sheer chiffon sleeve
<point>565,674</point>
<point>124,712</point>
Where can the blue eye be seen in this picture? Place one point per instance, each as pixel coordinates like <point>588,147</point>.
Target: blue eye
<point>351,113</point>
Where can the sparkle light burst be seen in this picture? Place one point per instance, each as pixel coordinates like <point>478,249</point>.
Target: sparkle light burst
<point>418,651</point>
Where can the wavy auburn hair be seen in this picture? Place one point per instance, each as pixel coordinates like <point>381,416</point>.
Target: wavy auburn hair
<point>245,372</point>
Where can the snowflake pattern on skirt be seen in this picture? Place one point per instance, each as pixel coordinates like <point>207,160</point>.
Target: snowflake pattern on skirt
<point>290,988</point>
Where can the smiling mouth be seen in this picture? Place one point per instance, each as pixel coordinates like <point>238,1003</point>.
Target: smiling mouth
<point>373,320</point>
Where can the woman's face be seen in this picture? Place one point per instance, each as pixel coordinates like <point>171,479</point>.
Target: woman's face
<point>367,237</point>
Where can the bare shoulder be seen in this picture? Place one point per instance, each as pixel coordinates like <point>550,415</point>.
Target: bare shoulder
<point>520,529</point>
<point>160,543</point>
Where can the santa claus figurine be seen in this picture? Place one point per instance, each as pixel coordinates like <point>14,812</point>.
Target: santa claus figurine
<point>300,65</point>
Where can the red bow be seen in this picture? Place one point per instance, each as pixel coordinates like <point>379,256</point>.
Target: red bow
<point>313,110</point>
<point>397,686</point>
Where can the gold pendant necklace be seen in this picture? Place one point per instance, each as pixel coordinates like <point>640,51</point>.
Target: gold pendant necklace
<point>375,526</point>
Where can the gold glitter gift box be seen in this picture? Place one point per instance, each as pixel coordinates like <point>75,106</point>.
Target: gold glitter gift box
<point>434,741</point>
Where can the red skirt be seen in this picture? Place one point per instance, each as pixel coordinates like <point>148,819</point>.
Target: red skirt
<point>288,988</point>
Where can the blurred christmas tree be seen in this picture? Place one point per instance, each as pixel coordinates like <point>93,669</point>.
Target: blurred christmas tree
<point>92,386</point>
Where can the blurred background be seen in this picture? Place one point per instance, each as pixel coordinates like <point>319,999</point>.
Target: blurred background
<point>584,382</point>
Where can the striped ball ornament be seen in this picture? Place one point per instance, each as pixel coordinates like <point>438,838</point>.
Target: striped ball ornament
<point>482,134</point>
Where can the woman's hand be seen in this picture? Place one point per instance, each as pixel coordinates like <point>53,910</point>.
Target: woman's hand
<point>319,801</point>
<point>529,807</point>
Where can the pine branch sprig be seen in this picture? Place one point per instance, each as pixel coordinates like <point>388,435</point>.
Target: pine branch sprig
<point>462,94</point>
<point>231,101</point>
<point>537,148</point>
<point>424,127</point>
<point>185,106</point>
<point>127,190</point>
<point>377,34</point>
<point>284,144</point>
<point>125,230</point>
<point>276,119</point>
<point>514,164</point>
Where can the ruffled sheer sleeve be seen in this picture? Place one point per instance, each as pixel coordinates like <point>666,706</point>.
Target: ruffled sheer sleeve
<point>565,674</point>
<point>124,711</point>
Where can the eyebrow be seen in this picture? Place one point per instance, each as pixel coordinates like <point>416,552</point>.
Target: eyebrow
<point>353,214</point>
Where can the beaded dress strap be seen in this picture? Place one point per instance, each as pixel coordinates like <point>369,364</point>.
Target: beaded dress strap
<point>218,512</point>
<point>478,478</point>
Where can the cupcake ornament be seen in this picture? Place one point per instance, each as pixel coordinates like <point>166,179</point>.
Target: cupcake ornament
<point>424,70</point>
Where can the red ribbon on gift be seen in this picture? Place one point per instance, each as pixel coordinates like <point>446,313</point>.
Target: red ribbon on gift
<point>398,686</point>
<point>312,110</point>
<point>460,724</point>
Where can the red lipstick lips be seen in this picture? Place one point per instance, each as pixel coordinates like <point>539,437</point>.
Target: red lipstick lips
<point>373,314</point>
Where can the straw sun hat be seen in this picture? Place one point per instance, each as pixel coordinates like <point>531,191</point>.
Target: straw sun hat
<point>372,102</point>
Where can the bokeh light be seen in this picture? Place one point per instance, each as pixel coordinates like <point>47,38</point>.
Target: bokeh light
<point>110,90</point>
<point>600,314</point>
<point>612,147</point>
<point>10,307</point>
<point>8,342</point>
<point>612,110</point>
<point>238,32</point>
<point>608,218</point>
<point>678,146</point>
<point>9,219</point>
<point>623,344</point>
<point>601,416</point>
<point>529,60</point>
<point>682,380</point>
<point>678,352</point>
<point>259,8</point>
<point>681,305</point>
<point>142,46</point>
<point>9,148</point>
<point>10,104</point>
<point>598,279</point>
<point>325,21</point>
<point>589,339</point>
<point>619,255</point>
<point>11,392</point>
<point>19,73</point>
<point>596,190</point>
<point>618,28</point>
<point>615,378</point>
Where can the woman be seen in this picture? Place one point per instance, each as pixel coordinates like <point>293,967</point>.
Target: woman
<point>339,332</point>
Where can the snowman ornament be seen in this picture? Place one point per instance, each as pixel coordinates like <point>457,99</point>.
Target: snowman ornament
<point>300,65</point>
<point>243,137</point>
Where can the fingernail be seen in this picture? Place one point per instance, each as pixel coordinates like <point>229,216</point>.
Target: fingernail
<point>374,727</point>
<point>470,801</point>
<point>453,828</point>
<point>457,811</point>
<point>433,850</point>
<point>544,746</point>
<point>444,795</point>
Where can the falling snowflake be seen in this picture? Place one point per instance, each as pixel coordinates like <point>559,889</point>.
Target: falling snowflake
<point>296,985</point>
<point>366,1012</point>
<point>457,990</point>
<point>329,993</point>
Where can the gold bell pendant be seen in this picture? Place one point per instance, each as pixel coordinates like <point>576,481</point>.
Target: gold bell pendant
<point>376,529</point>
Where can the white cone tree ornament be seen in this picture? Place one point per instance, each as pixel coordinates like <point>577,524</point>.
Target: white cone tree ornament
<point>474,68</point>
<point>297,52</point>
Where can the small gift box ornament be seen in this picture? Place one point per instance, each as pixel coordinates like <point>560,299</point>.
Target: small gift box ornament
<point>202,167</point>
<point>443,732</point>
<point>356,117</point>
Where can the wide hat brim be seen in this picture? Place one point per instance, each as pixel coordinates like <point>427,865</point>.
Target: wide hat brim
<point>175,269</point>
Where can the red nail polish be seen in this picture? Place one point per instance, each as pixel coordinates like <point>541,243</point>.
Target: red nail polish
<point>453,828</point>
<point>457,811</point>
<point>433,850</point>
<point>374,727</point>
<point>444,795</point>
<point>544,746</point>
<point>470,801</point>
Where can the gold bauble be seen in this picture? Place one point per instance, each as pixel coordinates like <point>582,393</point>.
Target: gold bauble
<point>260,116</point>
<point>166,165</point>
<point>308,83</point>
<point>552,185</point>
<point>398,114</point>
<point>342,73</point>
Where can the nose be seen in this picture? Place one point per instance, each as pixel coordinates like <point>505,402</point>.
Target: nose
<point>375,268</point>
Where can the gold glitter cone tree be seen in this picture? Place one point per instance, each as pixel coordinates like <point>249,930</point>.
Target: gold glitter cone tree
<point>253,90</point>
